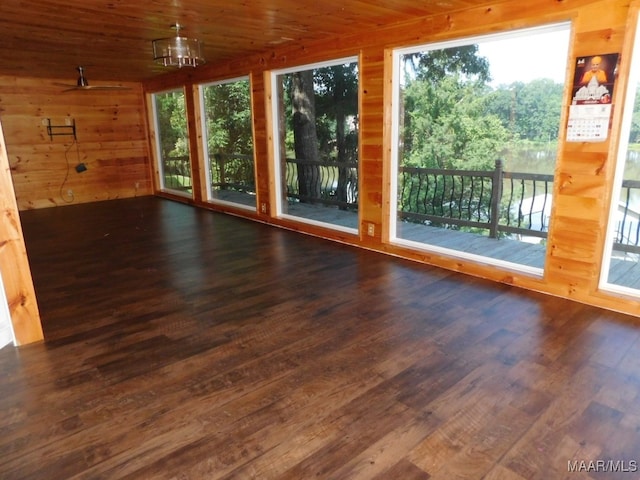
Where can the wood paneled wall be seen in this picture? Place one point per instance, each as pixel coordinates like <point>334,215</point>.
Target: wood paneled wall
<point>584,171</point>
<point>111,141</point>
<point>39,171</point>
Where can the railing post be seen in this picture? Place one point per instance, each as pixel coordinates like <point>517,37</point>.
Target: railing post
<point>496,195</point>
<point>220,158</point>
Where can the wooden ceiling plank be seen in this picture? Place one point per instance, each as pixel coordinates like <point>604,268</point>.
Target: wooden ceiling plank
<point>47,38</point>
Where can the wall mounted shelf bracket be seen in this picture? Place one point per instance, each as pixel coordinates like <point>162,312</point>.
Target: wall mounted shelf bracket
<point>55,130</point>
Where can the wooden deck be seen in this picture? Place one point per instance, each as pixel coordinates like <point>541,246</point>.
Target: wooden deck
<point>522,253</point>
<point>184,343</point>
<point>624,270</point>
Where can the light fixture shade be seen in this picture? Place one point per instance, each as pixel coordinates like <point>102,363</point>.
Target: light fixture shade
<point>178,51</point>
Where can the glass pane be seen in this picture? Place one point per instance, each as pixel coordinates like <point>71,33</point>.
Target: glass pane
<point>621,266</point>
<point>624,266</point>
<point>318,128</point>
<point>477,134</point>
<point>173,142</point>
<point>229,147</point>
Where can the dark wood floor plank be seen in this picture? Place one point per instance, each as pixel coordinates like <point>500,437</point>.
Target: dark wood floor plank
<point>183,343</point>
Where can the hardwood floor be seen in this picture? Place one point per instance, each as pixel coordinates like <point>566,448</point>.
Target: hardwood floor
<point>186,344</point>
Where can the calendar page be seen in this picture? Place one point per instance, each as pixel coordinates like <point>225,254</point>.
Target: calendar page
<point>590,110</point>
<point>588,123</point>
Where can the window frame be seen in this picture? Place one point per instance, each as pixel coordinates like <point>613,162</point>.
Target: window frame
<point>205,151</point>
<point>622,147</point>
<point>395,108</point>
<point>158,150</point>
<point>278,195</point>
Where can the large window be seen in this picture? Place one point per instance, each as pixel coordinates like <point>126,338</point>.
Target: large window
<point>621,265</point>
<point>172,142</point>
<point>228,142</point>
<point>316,110</point>
<point>475,134</point>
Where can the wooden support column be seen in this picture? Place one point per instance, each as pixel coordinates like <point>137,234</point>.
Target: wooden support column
<point>14,265</point>
<point>197,131</point>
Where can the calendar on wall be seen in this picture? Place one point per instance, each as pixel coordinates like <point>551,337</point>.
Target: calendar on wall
<point>588,123</point>
<point>590,110</point>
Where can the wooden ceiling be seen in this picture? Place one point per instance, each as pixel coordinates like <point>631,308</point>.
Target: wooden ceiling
<point>112,38</point>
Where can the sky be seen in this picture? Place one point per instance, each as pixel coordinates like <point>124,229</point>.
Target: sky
<point>543,55</point>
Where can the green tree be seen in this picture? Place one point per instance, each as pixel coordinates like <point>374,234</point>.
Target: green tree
<point>230,135</point>
<point>445,123</point>
<point>172,124</point>
<point>173,138</point>
<point>338,102</point>
<point>534,109</point>
<point>634,136</point>
<point>434,65</point>
<point>305,134</point>
<point>228,111</point>
<point>320,108</point>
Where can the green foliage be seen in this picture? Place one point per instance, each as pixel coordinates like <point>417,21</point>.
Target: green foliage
<point>229,135</point>
<point>172,124</point>
<point>228,118</point>
<point>171,120</point>
<point>446,125</point>
<point>319,110</point>
<point>530,110</point>
<point>336,102</point>
<point>451,119</point>
<point>634,136</point>
<point>434,65</point>
<point>336,112</point>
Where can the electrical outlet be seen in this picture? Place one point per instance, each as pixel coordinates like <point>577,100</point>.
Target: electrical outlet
<point>137,185</point>
<point>371,229</point>
<point>263,207</point>
<point>69,193</point>
<point>67,121</point>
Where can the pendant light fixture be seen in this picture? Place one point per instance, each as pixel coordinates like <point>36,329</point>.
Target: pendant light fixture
<point>178,51</point>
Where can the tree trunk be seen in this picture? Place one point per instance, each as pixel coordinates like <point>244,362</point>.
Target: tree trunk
<point>282,122</point>
<point>305,135</point>
<point>339,95</point>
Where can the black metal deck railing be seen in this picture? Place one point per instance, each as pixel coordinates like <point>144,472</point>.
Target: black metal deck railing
<point>627,232</point>
<point>334,183</point>
<point>227,172</point>
<point>176,173</point>
<point>232,172</point>
<point>499,202</point>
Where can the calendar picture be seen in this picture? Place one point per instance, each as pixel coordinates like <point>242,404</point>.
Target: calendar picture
<point>594,79</point>
<point>590,110</point>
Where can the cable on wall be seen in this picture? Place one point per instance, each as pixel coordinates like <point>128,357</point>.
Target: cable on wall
<point>70,197</point>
